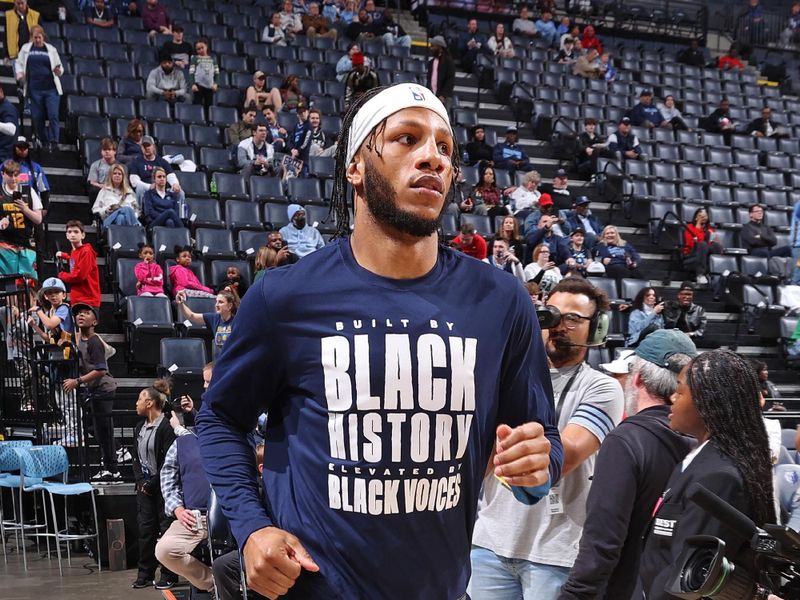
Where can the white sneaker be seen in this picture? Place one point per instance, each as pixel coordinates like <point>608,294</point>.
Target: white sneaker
<point>702,280</point>
<point>123,455</point>
<point>69,441</point>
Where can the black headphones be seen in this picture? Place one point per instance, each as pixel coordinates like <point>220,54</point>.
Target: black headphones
<point>550,316</point>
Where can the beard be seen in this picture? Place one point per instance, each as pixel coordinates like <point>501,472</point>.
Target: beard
<point>559,352</point>
<point>381,201</point>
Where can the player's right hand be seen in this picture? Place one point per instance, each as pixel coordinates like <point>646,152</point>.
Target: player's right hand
<point>274,559</point>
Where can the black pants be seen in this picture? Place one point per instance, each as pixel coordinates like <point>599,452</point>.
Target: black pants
<point>204,96</point>
<point>99,411</point>
<point>228,578</point>
<point>152,523</point>
<point>765,252</point>
<point>621,271</point>
<point>698,259</point>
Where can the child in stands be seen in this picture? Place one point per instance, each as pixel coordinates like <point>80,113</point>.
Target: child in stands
<point>149,275</point>
<point>53,313</point>
<point>83,276</point>
<point>182,278</point>
<point>233,282</point>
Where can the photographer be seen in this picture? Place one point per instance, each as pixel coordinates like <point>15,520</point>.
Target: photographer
<point>503,257</point>
<point>716,402</point>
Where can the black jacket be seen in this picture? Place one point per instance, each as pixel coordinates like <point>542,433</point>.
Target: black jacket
<point>630,473</point>
<point>164,437</point>
<point>757,235</point>
<point>678,518</point>
<point>446,77</point>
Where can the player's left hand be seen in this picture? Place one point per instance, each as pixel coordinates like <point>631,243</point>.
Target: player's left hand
<point>522,455</point>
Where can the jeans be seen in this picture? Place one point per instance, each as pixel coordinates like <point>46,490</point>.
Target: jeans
<point>122,216</point>
<point>795,263</point>
<point>498,578</point>
<point>168,218</point>
<point>403,40</point>
<point>45,105</point>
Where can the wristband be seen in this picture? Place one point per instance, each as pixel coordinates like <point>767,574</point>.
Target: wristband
<point>531,495</point>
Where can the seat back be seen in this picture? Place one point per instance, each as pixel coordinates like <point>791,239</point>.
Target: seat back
<point>214,240</point>
<point>9,463</point>
<point>630,287</point>
<point>219,268</point>
<point>148,310</point>
<point>608,285</point>
<point>166,238</point>
<point>126,276</point>
<point>125,239</point>
<point>41,462</point>
<point>184,353</point>
<point>220,537</point>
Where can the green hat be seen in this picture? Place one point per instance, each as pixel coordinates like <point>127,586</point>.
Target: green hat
<point>662,344</point>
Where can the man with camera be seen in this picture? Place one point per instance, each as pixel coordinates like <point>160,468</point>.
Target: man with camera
<point>528,551</point>
<point>630,472</point>
<point>503,257</point>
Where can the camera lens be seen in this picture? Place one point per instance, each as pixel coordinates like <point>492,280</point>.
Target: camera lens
<point>696,570</point>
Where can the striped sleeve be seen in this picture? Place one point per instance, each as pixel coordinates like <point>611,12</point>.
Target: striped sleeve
<point>600,407</point>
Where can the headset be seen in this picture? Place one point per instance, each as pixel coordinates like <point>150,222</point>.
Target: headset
<point>549,316</point>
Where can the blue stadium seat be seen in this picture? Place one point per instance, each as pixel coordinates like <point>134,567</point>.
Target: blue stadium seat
<point>193,184</point>
<point>230,186</point>
<point>266,188</point>
<point>214,243</point>
<point>242,214</point>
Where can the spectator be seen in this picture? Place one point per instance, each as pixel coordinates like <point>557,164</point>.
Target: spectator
<point>291,22</point>
<point>645,114</point>
<point>759,239</point>
<point>635,461</point>
<point>581,217</point>
<point>546,6</point>
<point>331,10</point>
<point>83,276</point>
<point>671,113</point>
<point>20,210</point>
<point>545,230</point>
<point>587,65</point>
<point>178,48</point>
<point>20,20</point>
<point>242,129</point>
<point>559,188</point>
<point>470,243</point>
<point>31,172</point>
<point>522,25</point>
<point>254,155</point>
<point>349,13</point>
<point>564,26</point>
<point>375,16</point>
<point>567,54</point>
<point>99,169</point>
<point>509,155</point>
<point>316,24</point>
<point>717,403</point>
<point>258,94</point>
<point>720,121</point>
<point>694,55</point>
<point>698,243</point>
<point>155,18</point>
<point>99,385</point>
<point>574,33</point>
<point>100,15</point>
<point>130,146</point>
<point>301,137</point>
<point>233,282</point>
<point>590,40</point>
<point>115,203</point>
<point>527,551</point>
<point>9,121</point>
<point>301,238</point>
<point>219,322</point>
<point>769,391</point>
<point>794,240</point>
<point>684,314</point>
<point>149,274</point>
<point>319,142</point>
<point>203,73</point>
<point>470,44</point>
<point>525,198</point>
<point>359,80</point>
<point>54,314</point>
<point>547,28</point>
<point>160,205</point>
<point>276,134</point>
<point>543,271</point>
<point>362,28</point>
<point>167,82</point>
<point>546,209</point>
<point>623,144</point>
<point>392,32</point>
<point>486,196</point>
<point>590,146</point>
<point>607,68</point>
<point>579,257</point>
<point>441,72</point>
<point>509,231</point>
<point>645,316</point>
<point>791,35</point>
<point>765,126</point>
<point>477,149</point>
<point>618,256</point>
<point>38,68</point>
<point>129,9</point>
<point>290,94</point>
<point>345,64</point>
<point>141,171</point>
<point>183,279</point>
<point>275,254</point>
<point>503,258</point>
<point>273,33</point>
<point>499,44</point>
<point>153,438</point>
<point>731,59</point>
<point>753,23</point>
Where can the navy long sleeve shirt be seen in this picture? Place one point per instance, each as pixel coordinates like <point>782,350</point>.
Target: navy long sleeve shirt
<point>383,399</point>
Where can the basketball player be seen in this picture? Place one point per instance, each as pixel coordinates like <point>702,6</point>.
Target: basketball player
<point>395,373</point>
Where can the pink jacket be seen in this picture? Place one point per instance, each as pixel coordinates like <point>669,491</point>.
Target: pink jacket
<point>151,277</point>
<point>182,278</point>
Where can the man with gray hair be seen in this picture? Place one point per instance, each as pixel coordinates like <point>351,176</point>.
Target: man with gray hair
<point>631,471</point>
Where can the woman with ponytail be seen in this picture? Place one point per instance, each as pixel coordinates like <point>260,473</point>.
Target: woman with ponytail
<point>153,437</point>
<point>717,402</point>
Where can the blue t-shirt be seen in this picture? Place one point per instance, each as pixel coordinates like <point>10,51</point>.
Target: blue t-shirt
<point>220,329</point>
<point>40,73</point>
<point>383,398</point>
<point>63,313</point>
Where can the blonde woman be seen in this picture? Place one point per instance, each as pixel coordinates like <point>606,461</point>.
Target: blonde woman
<point>618,256</point>
<point>116,202</point>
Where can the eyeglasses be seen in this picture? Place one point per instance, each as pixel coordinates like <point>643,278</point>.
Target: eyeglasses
<point>571,320</point>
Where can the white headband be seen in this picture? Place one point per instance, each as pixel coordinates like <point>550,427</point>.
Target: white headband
<point>386,103</point>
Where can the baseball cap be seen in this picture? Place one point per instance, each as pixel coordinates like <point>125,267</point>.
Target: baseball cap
<point>511,129</point>
<point>660,345</point>
<point>22,141</point>
<point>561,173</point>
<point>582,200</point>
<point>259,75</point>
<point>82,306</point>
<point>621,365</point>
<point>301,106</point>
<point>438,40</point>
<point>577,230</point>
<point>545,199</point>
<point>625,120</point>
<point>53,283</point>
<point>358,58</point>
<point>148,140</point>
<point>646,92</point>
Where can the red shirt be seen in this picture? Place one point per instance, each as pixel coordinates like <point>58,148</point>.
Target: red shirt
<point>693,234</point>
<point>477,249</point>
<point>728,62</point>
<point>83,276</point>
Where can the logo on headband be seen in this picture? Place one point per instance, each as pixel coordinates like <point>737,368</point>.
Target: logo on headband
<point>417,95</point>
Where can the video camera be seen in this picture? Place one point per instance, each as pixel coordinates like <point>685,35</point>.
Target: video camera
<point>703,571</point>
<point>548,316</point>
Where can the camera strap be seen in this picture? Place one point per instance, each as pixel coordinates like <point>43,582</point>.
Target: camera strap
<point>563,394</point>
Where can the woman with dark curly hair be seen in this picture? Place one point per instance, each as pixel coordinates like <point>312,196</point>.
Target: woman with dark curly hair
<point>717,402</point>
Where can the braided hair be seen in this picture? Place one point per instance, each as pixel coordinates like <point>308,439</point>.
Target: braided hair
<point>340,203</point>
<point>726,393</point>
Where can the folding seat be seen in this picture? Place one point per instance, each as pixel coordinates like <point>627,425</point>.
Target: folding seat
<point>106,36</point>
<point>747,178</point>
<point>81,48</point>
<point>745,196</point>
<point>693,173</point>
<point>83,105</point>
<point>166,238</point>
<point>266,188</point>
<point>123,241</point>
<point>227,46</point>
<point>185,150</point>
<point>214,243</point>
<point>135,37</point>
<point>205,135</point>
<point>481,222</point>
<point>309,87</point>
<point>125,281</point>
<point>215,32</point>
<point>692,192</point>
<point>169,133</point>
<point>113,52</point>
<point>193,184</point>
<point>94,127</point>
<point>743,142</point>
<point>747,158</point>
<point>222,115</point>
<point>775,198</point>
<point>204,212</point>
<point>715,139</point>
<point>779,161</point>
<point>149,319</point>
<point>275,215</point>
<point>144,55</point>
<point>322,167</point>
<point>120,70</point>
<point>216,159</point>
<point>243,214</point>
<point>719,195</point>
<point>720,176</point>
<point>284,53</point>
<point>230,186</point>
<point>722,216</point>
<point>249,241</point>
<point>229,62</point>
<point>158,110</point>
<point>229,97</point>
<point>190,113</point>
<point>325,104</point>
<point>628,287</point>
<point>303,190</point>
<point>217,270</point>
<point>465,117</point>
<point>183,360</point>
<point>417,67</point>
<point>789,146</point>
<point>663,170</point>
<point>129,88</point>
<point>88,67</point>
<point>663,190</point>
<point>321,217</point>
<point>130,24</point>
